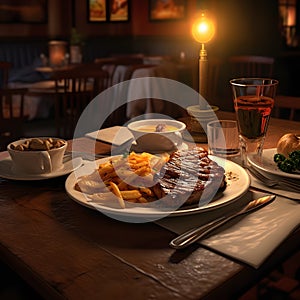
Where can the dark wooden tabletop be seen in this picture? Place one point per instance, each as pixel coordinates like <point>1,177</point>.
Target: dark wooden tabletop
<point>67,251</point>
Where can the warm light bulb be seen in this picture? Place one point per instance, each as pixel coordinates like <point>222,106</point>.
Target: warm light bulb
<point>203,29</point>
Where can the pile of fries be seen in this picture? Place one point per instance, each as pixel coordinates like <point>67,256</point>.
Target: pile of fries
<point>129,178</point>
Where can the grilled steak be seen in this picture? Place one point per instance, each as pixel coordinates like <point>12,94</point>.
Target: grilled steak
<point>188,176</point>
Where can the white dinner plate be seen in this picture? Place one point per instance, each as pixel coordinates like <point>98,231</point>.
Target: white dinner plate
<point>238,182</point>
<point>268,165</point>
<point>7,171</point>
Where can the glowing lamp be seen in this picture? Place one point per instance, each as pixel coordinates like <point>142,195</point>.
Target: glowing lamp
<point>203,30</point>
<point>57,52</point>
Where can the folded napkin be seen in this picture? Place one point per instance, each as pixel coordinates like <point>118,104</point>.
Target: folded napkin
<point>116,135</point>
<point>250,239</point>
<point>288,193</point>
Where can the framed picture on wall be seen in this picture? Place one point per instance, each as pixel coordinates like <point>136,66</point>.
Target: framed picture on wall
<point>167,10</point>
<point>15,11</point>
<point>118,10</point>
<point>97,11</point>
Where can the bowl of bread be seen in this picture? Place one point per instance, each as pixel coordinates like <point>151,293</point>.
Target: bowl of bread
<point>37,155</point>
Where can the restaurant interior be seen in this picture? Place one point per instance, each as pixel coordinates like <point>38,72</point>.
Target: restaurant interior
<point>28,43</point>
<point>43,40</point>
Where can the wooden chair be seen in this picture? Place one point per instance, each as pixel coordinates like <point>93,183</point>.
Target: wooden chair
<point>74,89</point>
<point>251,66</point>
<point>289,104</point>
<point>12,115</point>
<point>5,68</point>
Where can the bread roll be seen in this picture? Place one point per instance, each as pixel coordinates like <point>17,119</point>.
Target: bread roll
<point>288,143</point>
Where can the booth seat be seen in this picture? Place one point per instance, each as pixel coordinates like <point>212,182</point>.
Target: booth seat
<point>22,55</point>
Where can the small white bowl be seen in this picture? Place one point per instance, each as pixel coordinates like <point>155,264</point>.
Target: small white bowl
<point>37,161</point>
<point>148,139</point>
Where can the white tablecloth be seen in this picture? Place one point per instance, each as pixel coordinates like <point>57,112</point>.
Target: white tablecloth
<point>152,92</point>
<point>37,106</point>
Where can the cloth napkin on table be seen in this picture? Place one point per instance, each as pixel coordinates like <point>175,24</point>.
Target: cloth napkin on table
<point>250,239</point>
<point>288,193</point>
<point>116,135</point>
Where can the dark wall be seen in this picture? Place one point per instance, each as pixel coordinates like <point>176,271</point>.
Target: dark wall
<point>249,27</point>
<point>244,28</point>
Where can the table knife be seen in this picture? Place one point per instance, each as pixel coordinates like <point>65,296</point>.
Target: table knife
<point>195,234</point>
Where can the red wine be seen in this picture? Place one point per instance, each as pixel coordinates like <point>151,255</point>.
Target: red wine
<point>253,114</point>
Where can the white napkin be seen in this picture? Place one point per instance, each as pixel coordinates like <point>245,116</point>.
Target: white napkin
<point>116,135</point>
<point>250,239</point>
<point>285,193</point>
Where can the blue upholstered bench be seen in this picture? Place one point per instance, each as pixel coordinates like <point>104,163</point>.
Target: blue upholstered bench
<point>25,57</point>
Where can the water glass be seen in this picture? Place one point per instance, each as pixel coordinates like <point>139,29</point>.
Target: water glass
<point>223,139</point>
<point>253,103</point>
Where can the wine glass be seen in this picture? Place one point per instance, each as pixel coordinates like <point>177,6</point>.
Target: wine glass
<point>253,102</point>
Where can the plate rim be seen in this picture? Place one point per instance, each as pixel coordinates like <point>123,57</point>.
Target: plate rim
<point>33,177</point>
<point>276,171</point>
<point>71,179</point>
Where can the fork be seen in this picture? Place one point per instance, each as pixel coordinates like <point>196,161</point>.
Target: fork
<point>280,183</point>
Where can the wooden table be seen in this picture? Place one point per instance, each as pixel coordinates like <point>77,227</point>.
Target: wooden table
<point>67,251</point>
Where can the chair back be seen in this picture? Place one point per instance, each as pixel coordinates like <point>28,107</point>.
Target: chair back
<point>5,68</point>
<point>74,89</point>
<point>251,66</point>
<point>286,107</point>
<point>12,115</point>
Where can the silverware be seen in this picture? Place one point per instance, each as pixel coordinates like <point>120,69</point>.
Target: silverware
<point>195,234</point>
<point>282,183</point>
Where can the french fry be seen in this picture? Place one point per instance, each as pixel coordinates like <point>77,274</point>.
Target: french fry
<point>130,194</point>
<point>109,176</point>
<point>117,192</point>
<point>142,200</point>
<point>122,186</point>
<point>132,200</point>
<point>140,164</point>
<point>128,178</point>
<point>143,171</point>
<point>147,191</point>
<point>105,169</point>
